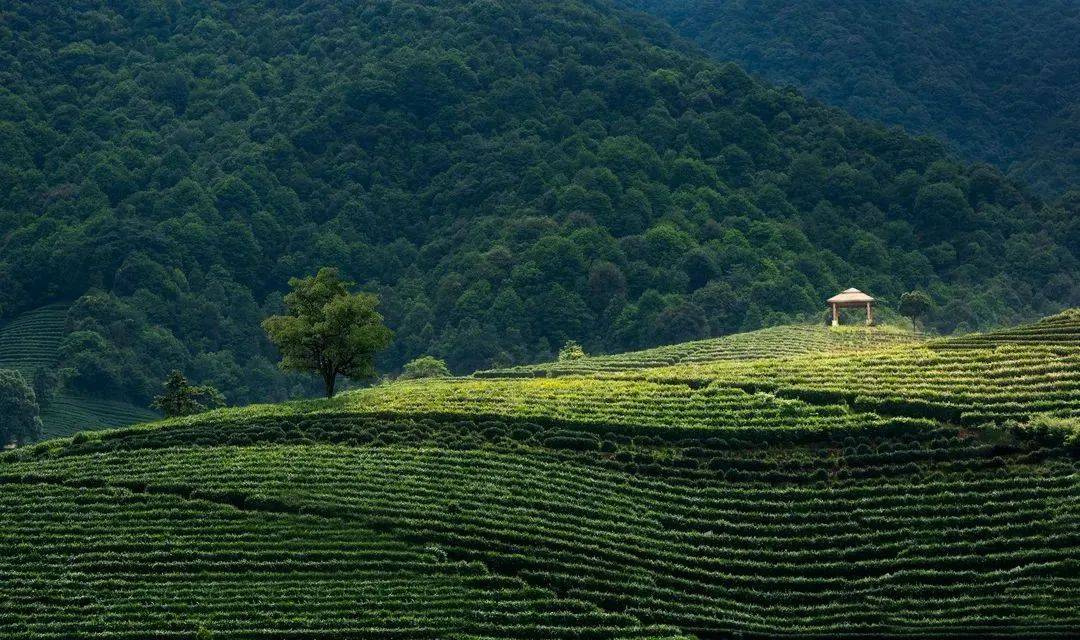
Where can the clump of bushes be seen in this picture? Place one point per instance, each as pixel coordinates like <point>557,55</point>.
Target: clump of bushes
<point>425,367</point>
<point>571,351</point>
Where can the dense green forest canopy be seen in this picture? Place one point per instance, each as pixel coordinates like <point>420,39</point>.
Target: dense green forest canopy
<point>999,79</point>
<point>505,174</point>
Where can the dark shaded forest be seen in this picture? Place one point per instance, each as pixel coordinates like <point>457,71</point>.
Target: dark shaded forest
<point>998,80</point>
<point>505,174</point>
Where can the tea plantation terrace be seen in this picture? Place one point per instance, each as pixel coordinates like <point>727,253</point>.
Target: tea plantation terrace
<point>753,498</point>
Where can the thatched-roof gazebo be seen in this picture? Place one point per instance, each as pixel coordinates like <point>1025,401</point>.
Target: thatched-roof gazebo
<point>851,298</point>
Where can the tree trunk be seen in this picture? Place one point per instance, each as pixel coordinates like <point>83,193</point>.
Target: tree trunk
<point>329,379</point>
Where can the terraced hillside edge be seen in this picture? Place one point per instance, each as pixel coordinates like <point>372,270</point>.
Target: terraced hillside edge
<point>998,377</point>
<point>622,504</point>
<point>786,340</point>
<point>31,340</point>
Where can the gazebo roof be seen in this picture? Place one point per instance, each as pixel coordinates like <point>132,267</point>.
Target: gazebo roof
<point>850,296</point>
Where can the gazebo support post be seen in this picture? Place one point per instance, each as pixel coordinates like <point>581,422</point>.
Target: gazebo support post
<point>835,315</point>
<point>869,314</point>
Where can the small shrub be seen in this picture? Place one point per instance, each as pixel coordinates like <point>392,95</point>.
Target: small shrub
<point>425,367</point>
<point>571,351</point>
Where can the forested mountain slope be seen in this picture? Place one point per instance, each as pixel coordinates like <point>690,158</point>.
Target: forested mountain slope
<point>618,505</point>
<point>506,174</point>
<point>999,80</point>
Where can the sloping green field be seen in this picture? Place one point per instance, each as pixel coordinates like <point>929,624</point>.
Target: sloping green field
<point>773,342</point>
<point>891,491</point>
<point>30,341</point>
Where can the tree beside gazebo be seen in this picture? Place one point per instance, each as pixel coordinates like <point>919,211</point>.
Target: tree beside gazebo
<point>851,298</point>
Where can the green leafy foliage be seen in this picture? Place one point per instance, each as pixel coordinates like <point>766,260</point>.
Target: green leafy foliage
<point>571,351</point>
<point>915,305</point>
<point>506,176</point>
<point>181,398</point>
<point>425,367</point>
<point>996,79</point>
<point>19,421</point>
<point>45,382</point>
<point>328,330</point>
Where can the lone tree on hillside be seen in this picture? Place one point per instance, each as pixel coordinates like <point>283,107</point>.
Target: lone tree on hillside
<point>915,305</point>
<point>181,398</point>
<point>425,367</point>
<point>19,421</point>
<point>328,330</point>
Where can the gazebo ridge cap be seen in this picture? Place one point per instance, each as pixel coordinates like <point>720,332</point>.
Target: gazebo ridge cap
<point>851,295</point>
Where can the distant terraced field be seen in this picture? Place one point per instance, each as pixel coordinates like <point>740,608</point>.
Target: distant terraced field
<point>31,341</point>
<point>69,414</point>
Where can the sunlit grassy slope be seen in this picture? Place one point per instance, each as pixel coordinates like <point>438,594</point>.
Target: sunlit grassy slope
<point>30,341</point>
<point>773,342</point>
<point>886,490</point>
